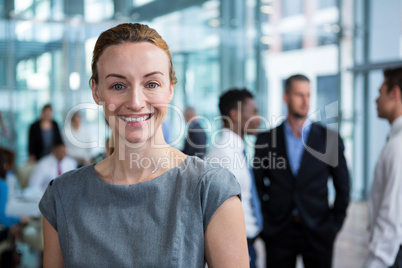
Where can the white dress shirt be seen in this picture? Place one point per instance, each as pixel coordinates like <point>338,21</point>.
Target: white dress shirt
<point>47,169</point>
<point>385,213</point>
<point>227,151</point>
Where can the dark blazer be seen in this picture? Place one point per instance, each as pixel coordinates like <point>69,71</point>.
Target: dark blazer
<point>196,140</point>
<point>281,192</point>
<point>35,142</point>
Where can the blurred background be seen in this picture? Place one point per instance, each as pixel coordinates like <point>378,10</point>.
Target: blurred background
<point>341,45</point>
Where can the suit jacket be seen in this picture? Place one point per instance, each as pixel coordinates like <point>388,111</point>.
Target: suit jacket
<point>35,142</point>
<point>281,192</point>
<point>196,140</point>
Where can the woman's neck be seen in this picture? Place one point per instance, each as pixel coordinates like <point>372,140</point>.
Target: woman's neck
<point>45,124</point>
<point>132,163</point>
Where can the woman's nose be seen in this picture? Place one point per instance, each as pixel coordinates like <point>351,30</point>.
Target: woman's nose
<point>136,100</point>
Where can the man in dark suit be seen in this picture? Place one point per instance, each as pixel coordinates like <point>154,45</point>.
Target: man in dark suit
<point>292,165</point>
<point>196,139</point>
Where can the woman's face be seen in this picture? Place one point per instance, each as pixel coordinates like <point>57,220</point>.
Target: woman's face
<point>134,89</point>
<point>47,114</point>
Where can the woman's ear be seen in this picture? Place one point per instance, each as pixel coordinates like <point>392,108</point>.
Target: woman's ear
<point>95,92</point>
<point>171,91</point>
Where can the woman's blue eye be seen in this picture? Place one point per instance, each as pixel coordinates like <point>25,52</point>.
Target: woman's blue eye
<point>118,87</point>
<point>152,85</point>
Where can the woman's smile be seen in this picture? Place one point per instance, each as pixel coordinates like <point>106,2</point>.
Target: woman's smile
<point>136,119</point>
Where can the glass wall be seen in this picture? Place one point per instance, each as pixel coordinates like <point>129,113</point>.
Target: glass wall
<point>292,8</point>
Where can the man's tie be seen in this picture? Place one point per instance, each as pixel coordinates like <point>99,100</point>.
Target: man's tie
<point>59,168</point>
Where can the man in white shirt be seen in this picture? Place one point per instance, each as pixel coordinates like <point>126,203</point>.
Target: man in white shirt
<point>385,215</point>
<point>51,166</point>
<point>240,117</point>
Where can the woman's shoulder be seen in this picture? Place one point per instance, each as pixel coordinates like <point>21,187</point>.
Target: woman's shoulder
<point>212,186</point>
<point>206,172</point>
<point>35,125</point>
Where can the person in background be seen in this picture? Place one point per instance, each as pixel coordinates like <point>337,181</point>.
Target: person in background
<point>196,140</point>
<point>43,134</point>
<point>147,204</point>
<point>51,166</point>
<point>240,117</point>
<point>76,138</point>
<point>10,227</point>
<point>385,217</point>
<point>293,164</point>
<point>6,165</point>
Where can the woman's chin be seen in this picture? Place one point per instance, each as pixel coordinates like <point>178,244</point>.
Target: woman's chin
<point>136,141</point>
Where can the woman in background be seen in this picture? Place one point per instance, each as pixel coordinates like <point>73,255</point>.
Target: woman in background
<point>43,134</point>
<point>147,204</point>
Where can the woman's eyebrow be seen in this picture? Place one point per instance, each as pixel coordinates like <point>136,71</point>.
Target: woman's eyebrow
<point>152,73</point>
<point>123,77</point>
<point>115,75</point>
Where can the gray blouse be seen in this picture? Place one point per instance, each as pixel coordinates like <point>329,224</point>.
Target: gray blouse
<point>156,223</point>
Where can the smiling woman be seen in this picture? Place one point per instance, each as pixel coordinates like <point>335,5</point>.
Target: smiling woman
<point>147,204</point>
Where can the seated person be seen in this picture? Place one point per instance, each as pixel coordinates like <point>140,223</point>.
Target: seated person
<point>51,166</point>
<point>6,164</point>
<point>10,227</point>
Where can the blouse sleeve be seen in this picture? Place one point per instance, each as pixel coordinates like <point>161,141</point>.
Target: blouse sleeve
<point>48,204</point>
<point>217,186</point>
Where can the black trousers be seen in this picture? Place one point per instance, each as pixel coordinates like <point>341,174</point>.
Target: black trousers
<point>282,250</point>
<point>398,259</point>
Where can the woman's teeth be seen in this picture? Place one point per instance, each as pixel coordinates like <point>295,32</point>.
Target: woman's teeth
<point>134,119</point>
